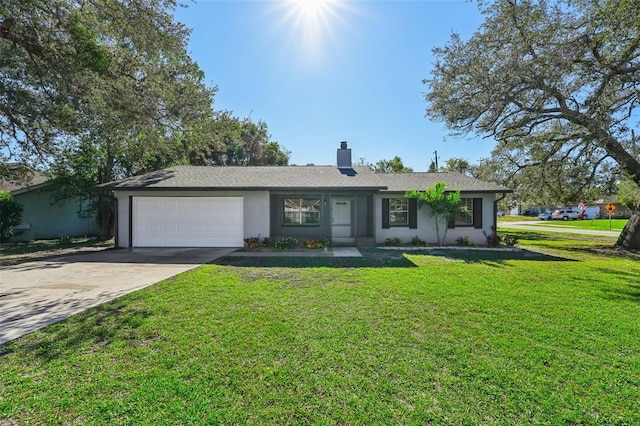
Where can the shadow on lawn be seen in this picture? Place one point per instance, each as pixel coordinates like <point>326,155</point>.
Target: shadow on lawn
<point>631,293</point>
<point>493,257</point>
<point>92,330</point>
<point>370,259</point>
<point>380,258</point>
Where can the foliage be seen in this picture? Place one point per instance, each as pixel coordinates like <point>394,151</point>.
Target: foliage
<point>417,242</point>
<point>286,243</point>
<point>443,205</point>
<point>267,242</point>
<point>251,243</point>
<point>557,84</point>
<point>460,165</point>
<point>10,215</point>
<point>394,242</point>
<point>394,165</point>
<point>65,240</point>
<point>495,239</point>
<point>317,244</point>
<point>628,193</point>
<point>239,142</point>
<point>464,241</point>
<point>546,336</point>
<point>98,89</point>
<point>117,74</point>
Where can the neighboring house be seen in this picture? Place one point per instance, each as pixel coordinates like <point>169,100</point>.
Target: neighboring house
<point>221,206</point>
<point>42,217</point>
<point>620,211</point>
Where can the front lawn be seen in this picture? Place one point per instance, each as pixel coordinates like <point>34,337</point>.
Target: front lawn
<point>596,224</point>
<point>544,336</point>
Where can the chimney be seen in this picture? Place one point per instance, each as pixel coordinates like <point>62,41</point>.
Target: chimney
<point>344,156</point>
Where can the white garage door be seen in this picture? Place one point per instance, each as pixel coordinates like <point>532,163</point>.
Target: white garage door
<point>187,222</point>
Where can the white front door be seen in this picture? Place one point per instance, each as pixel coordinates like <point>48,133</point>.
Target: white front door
<point>341,218</point>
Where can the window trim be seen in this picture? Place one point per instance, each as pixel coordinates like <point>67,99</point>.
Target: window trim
<point>405,201</point>
<point>299,200</point>
<point>476,214</point>
<point>465,202</point>
<point>412,213</point>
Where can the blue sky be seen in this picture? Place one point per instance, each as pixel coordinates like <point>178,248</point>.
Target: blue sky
<point>319,72</point>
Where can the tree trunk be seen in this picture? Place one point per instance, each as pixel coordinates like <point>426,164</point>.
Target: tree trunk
<point>105,217</point>
<point>630,236</point>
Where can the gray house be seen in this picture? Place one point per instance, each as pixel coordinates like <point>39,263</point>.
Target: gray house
<point>42,217</point>
<point>189,206</point>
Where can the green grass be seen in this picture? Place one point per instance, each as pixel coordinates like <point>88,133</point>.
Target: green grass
<point>517,218</point>
<point>597,224</point>
<point>548,335</point>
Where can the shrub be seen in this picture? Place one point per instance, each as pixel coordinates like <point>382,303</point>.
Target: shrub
<point>509,240</point>
<point>10,217</point>
<point>417,242</point>
<point>286,243</point>
<point>464,241</point>
<point>495,240</point>
<point>396,242</point>
<point>316,244</point>
<point>65,240</point>
<point>267,242</point>
<point>251,243</point>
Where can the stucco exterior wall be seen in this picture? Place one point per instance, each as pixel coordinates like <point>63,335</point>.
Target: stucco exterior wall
<point>255,210</point>
<point>51,220</point>
<point>426,229</point>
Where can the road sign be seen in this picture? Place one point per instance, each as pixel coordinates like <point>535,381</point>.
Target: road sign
<point>610,208</point>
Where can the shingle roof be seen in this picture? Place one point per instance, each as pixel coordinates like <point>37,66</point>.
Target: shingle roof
<point>29,181</point>
<point>400,182</point>
<point>247,177</point>
<point>295,178</point>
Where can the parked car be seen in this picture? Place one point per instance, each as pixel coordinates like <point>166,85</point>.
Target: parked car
<point>566,215</point>
<point>545,216</point>
<point>531,212</point>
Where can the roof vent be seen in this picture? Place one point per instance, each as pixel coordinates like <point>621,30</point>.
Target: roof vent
<point>344,156</point>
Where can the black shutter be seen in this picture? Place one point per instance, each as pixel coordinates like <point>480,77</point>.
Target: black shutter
<point>385,213</point>
<point>477,213</point>
<point>452,222</point>
<point>413,213</point>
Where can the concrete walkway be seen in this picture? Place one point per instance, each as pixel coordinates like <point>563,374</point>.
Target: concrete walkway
<point>548,227</point>
<point>36,294</point>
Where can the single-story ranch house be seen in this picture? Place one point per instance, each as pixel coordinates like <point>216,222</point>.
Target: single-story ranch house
<point>214,206</point>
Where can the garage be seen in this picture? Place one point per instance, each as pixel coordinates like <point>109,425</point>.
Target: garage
<point>187,222</point>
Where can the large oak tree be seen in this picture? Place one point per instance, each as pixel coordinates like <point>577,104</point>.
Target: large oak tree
<point>556,83</point>
<point>96,90</point>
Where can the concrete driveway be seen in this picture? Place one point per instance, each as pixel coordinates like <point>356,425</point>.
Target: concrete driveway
<point>36,294</point>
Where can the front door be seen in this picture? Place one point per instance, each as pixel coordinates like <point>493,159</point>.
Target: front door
<point>341,222</point>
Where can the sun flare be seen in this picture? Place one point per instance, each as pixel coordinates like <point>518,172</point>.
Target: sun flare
<point>312,25</point>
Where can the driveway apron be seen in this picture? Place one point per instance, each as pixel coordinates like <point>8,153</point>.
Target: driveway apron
<point>36,294</point>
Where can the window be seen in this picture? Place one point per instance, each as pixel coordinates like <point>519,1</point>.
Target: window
<point>398,212</point>
<point>470,213</point>
<point>465,215</point>
<point>301,211</point>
